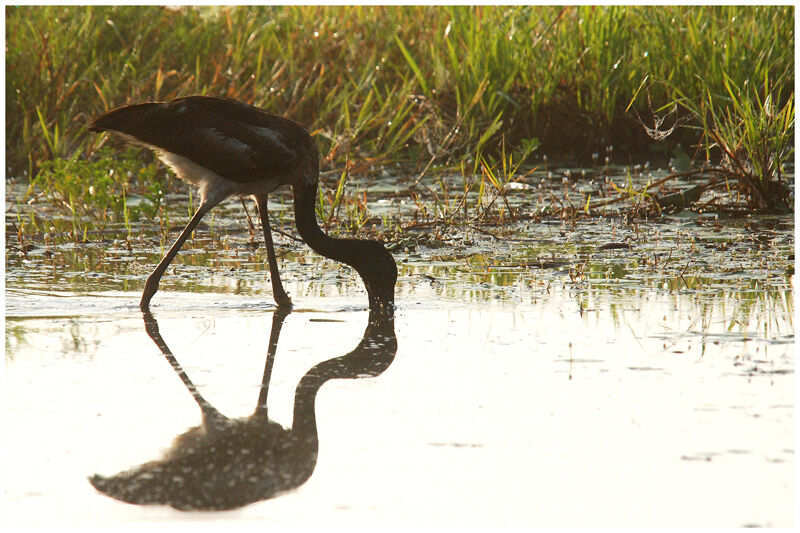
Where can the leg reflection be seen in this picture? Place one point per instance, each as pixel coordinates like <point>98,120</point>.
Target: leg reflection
<point>275,332</point>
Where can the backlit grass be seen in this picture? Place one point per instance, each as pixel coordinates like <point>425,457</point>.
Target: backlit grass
<point>430,87</point>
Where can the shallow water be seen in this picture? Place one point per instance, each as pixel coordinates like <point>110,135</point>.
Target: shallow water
<point>545,374</point>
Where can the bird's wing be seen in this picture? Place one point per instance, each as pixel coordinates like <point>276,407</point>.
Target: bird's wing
<point>239,142</point>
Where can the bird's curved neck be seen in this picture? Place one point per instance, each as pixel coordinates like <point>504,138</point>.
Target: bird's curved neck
<point>359,254</point>
<point>306,220</point>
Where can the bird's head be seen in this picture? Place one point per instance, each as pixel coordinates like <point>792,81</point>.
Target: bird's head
<point>378,270</point>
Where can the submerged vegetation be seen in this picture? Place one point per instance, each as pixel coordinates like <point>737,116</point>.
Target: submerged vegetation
<point>488,93</point>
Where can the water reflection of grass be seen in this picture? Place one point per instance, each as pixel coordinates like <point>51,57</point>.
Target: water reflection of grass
<point>16,335</point>
<point>693,304</point>
<point>727,298</point>
<point>765,314</point>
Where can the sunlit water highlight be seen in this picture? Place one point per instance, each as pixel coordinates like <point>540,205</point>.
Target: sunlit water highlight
<point>542,377</point>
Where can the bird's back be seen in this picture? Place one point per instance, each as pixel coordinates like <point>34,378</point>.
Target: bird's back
<point>239,142</point>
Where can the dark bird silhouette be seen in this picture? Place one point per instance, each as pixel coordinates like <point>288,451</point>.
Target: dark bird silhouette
<point>228,463</point>
<point>224,148</point>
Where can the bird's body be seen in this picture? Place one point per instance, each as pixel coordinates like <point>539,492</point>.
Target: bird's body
<point>220,146</point>
<point>224,148</point>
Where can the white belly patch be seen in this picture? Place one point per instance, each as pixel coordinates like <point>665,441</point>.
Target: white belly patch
<point>211,186</point>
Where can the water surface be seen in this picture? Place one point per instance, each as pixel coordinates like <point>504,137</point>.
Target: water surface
<point>546,373</point>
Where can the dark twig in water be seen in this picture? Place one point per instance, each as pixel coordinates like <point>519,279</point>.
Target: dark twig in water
<point>683,272</point>
<point>489,233</point>
<point>288,235</point>
<point>249,220</point>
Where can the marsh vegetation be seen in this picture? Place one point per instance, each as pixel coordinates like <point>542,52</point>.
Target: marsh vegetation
<point>485,93</point>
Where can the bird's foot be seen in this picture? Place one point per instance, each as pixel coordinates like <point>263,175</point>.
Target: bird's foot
<point>284,302</point>
<point>150,288</point>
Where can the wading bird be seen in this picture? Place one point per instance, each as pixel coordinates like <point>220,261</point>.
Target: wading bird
<point>224,148</point>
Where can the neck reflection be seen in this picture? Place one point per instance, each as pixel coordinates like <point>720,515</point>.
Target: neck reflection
<point>228,463</point>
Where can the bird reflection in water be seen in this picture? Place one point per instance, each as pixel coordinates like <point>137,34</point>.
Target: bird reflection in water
<point>228,463</point>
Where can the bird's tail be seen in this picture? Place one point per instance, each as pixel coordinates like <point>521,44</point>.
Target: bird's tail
<point>123,118</point>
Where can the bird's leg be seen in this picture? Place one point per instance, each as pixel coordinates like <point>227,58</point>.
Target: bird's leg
<point>151,286</point>
<point>281,298</point>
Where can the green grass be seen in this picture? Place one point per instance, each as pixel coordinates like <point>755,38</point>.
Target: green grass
<point>753,127</point>
<point>377,85</point>
<point>96,192</point>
